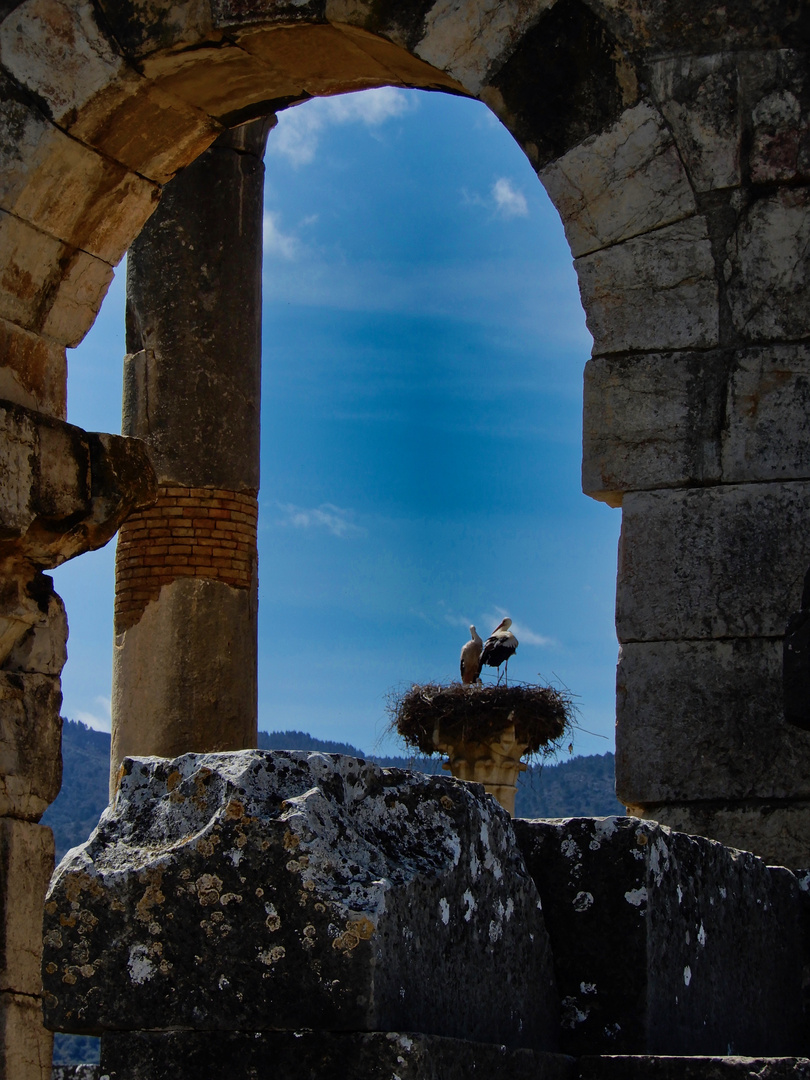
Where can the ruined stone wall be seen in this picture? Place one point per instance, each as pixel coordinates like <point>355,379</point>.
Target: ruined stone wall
<point>673,139</point>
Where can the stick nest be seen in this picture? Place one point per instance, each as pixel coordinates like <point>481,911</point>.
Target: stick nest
<point>542,715</point>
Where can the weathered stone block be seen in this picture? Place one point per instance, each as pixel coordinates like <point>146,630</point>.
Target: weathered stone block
<point>721,562</point>
<point>655,291</point>
<point>702,720</point>
<point>778,833</point>
<point>665,943</point>
<point>26,865</point>
<point>766,270</point>
<point>47,285</point>
<point>768,405</point>
<point>222,82</point>
<point>58,51</point>
<point>453,40</point>
<point>731,1067</point>
<point>147,130</point>
<point>30,744</point>
<point>651,421</point>
<point>262,891</point>
<point>26,1048</point>
<point>38,644</point>
<point>700,98</point>
<point>777,87</point>
<point>33,371</point>
<point>77,298</point>
<point>326,1055</point>
<point>69,190</point>
<point>141,27</point>
<point>620,183</point>
<point>69,489</point>
<point>318,59</point>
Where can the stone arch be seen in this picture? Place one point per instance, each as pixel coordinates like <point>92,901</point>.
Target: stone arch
<point>676,144</point>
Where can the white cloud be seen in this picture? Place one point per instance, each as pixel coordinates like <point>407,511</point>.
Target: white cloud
<point>297,132</point>
<point>509,202</point>
<point>275,241</point>
<point>326,516</point>
<point>92,719</point>
<point>522,632</point>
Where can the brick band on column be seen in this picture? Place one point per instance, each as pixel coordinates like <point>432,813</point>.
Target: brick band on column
<point>189,532</point>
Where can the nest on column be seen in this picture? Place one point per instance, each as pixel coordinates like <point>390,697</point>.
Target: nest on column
<point>542,715</point>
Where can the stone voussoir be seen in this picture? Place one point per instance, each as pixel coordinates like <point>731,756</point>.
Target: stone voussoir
<point>707,961</point>
<point>620,183</point>
<point>260,891</point>
<point>653,292</point>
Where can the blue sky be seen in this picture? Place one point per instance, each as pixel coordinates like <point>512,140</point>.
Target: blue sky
<point>423,347</point>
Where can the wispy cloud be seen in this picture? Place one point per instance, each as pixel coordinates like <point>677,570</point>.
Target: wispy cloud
<point>509,201</point>
<point>276,242</point>
<point>100,720</point>
<point>524,634</point>
<point>504,199</point>
<point>334,519</point>
<point>297,134</point>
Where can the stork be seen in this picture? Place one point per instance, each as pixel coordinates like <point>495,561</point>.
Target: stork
<point>499,646</point>
<point>471,658</point>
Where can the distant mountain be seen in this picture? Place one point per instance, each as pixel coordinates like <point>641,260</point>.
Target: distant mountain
<point>580,787</point>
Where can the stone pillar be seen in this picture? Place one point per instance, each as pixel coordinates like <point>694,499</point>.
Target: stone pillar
<point>689,222</point>
<point>184,669</point>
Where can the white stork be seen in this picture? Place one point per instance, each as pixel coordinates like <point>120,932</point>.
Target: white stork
<point>499,646</point>
<point>471,658</point>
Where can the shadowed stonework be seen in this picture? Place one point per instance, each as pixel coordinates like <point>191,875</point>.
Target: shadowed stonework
<point>674,140</point>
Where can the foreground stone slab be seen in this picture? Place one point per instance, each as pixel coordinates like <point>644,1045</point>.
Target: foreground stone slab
<point>379,1055</point>
<point>258,891</point>
<point>619,1067</point>
<point>665,943</point>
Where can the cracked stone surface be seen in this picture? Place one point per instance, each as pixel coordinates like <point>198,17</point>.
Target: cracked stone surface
<point>388,1055</point>
<point>666,943</point>
<point>277,890</point>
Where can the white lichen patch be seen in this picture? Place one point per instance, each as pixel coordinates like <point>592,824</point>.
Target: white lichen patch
<point>701,935</point>
<point>444,911</point>
<point>570,849</point>
<point>582,901</point>
<point>140,965</point>
<point>587,988</point>
<point>470,905</point>
<point>687,975</point>
<point>636,897</point>
<point>571,1013</point>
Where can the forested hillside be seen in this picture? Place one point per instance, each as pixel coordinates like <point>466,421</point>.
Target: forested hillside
<point>579,786</point>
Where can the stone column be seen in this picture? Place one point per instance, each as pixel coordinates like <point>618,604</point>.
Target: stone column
<point>184,668</point>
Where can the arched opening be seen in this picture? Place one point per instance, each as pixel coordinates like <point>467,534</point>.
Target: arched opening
<point>423,354</point>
